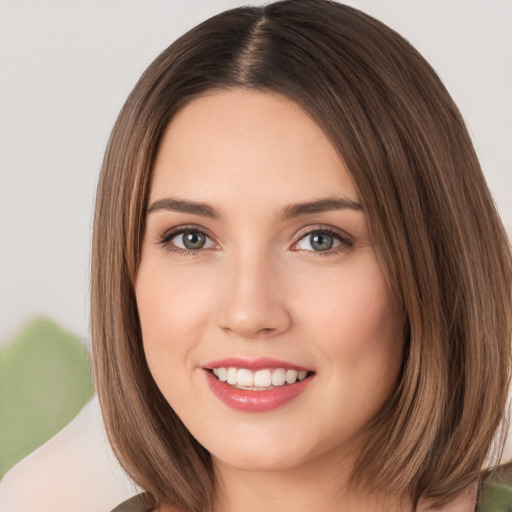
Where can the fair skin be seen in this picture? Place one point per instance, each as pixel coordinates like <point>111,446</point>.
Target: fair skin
<point>231,267</point>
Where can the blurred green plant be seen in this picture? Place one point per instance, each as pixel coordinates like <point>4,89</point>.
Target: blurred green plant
<point>45,379</point>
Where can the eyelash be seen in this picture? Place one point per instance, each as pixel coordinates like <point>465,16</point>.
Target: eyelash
<point>346,241</point>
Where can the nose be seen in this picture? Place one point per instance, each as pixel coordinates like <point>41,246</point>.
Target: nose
<point>254,304</point>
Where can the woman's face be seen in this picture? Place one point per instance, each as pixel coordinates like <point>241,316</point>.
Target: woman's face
<point>257,267</point>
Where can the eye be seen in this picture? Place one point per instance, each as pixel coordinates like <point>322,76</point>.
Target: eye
<point>190,240</point>
<point>187,240</point>
<point>323,240</point>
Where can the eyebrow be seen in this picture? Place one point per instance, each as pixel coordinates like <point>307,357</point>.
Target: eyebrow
<point>179,205</point>
<point>287,213</point>
<point>319,206</point>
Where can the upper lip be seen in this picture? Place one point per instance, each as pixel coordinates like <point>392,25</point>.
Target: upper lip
<point>260,363</point>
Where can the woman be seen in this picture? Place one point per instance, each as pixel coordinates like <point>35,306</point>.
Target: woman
<point>301,290</point>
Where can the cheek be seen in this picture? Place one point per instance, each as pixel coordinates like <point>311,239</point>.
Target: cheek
<point>173,311</point>
<point>353,319</point>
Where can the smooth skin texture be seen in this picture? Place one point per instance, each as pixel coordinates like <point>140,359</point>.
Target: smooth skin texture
<point>261,287</point>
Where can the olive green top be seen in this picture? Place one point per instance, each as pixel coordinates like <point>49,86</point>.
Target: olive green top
<point>495,495</point>
<point>138,503</point>
<point>496,491</point>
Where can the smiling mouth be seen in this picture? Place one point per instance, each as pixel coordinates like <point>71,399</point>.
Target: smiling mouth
<point>259,380</point>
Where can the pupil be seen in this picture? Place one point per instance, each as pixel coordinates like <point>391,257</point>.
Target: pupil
<point>321,242</point>
<point>193,240</point>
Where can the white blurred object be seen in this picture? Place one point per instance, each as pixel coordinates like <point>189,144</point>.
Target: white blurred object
<point>75,471</point>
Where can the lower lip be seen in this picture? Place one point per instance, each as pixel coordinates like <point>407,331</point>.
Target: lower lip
<point>256,401</point>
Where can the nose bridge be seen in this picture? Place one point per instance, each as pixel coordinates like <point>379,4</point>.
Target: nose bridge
<point>254,304</point>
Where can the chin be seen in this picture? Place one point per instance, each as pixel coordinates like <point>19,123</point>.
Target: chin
<point>257,461</point>
<point>268,452</point>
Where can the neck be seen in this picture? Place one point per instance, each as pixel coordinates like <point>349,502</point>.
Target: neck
<point>312,488</point>
<point>316,486</point>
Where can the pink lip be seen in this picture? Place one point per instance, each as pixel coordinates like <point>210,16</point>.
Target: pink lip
<point>251,400</point>
<point>253,364</point>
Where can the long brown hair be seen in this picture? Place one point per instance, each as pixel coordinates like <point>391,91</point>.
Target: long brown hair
<point>431,217</point>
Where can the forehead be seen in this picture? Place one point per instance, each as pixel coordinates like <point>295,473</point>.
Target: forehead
<point>251,143</point>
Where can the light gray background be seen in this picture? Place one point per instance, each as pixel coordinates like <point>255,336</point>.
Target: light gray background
<point>66,67</point>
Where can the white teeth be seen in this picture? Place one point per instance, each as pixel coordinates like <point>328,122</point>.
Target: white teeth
<point>278,377</point>
<point>262,378</point>
<point>247,379</point>
<point>291,376</point>
<point>232,376</point>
